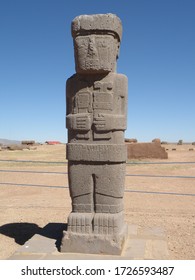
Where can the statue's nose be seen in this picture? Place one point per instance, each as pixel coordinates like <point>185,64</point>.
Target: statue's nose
<point>92,47</point>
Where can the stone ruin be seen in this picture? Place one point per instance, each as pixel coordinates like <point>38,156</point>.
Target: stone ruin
<point>18,146</point>
<point>145,150</point>
<point>96,98</point>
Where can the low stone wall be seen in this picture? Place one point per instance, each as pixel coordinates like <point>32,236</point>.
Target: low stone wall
<point>146,150</point>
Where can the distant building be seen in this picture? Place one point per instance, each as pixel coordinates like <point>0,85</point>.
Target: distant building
<point>28,142</point>
<point>52,142</point>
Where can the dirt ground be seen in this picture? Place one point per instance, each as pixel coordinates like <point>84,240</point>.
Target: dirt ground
<point>32,201</point>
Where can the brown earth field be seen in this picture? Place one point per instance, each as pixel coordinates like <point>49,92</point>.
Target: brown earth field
<point>35,195</point>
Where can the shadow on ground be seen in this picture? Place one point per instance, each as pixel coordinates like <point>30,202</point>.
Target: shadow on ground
<point>22,232</point>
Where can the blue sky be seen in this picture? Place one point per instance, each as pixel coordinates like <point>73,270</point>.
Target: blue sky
<point>157,54</point>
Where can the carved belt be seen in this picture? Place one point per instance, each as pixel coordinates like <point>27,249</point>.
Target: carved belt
<point>96,152</point>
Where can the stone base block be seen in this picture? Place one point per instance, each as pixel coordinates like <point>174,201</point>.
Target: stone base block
<point>94,243</point>
<point>146,150</point>
<point>143,243</point>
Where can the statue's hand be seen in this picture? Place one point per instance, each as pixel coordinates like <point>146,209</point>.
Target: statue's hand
<point>83,122</point>
<point>108,122</point>
<point>80,122</point>
<point>100,122</point>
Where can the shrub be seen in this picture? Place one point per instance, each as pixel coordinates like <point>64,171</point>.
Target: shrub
<point>180,142</point>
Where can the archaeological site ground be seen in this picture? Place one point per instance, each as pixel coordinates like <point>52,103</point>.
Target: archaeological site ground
<point>35,197</point>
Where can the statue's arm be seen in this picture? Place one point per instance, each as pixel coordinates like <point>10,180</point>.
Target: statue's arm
<point>75,121</point>
<point>118,120</point>
<point>80,122</point>
<point>108,122</point>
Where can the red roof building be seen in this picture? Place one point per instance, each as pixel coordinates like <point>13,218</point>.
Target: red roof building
<point>52,142</point>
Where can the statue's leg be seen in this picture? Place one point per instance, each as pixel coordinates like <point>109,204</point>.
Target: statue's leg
<point>109,192</point>
<point>81,192</point>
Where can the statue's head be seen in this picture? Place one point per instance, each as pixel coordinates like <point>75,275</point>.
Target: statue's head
<point>96,42</point>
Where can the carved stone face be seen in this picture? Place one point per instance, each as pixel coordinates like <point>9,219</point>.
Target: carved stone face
<point>95,53</point>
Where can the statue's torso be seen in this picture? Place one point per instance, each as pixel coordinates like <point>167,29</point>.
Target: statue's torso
<point>96,108</point>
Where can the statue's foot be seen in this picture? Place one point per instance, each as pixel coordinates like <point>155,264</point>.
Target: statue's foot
<point>80,222</point>
<point>106,223</point>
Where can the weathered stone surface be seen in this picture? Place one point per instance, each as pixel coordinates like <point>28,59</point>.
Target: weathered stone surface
<point>107,23</point>
<point>96,98</point>
<point>95,243</point>
<point>146,150</point>
<point>96,42</point>
<point>94,152</point>
<point>142,243</point>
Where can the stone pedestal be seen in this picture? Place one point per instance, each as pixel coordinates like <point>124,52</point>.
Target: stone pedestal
<point>143,243</point>
<point>112,244</point>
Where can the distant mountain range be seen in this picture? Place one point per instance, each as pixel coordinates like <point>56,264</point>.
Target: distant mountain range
<point>9,142</point>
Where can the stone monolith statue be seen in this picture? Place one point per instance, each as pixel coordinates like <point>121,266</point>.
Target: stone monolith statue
<point>96,98</point>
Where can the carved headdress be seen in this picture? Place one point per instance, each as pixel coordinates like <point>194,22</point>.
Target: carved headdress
<point>99,24</point>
